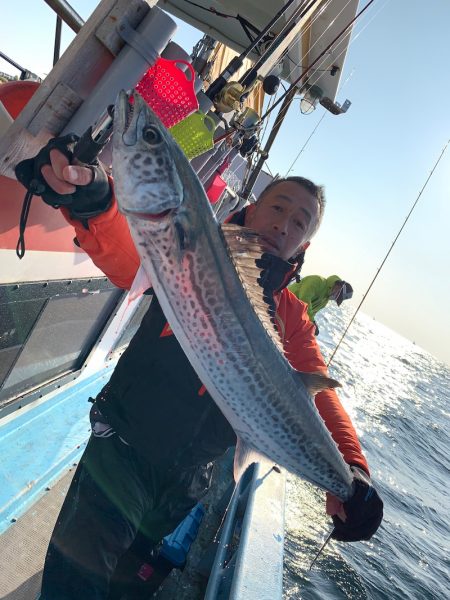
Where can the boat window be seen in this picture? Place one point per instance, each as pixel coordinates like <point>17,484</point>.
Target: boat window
<point>51,334</point>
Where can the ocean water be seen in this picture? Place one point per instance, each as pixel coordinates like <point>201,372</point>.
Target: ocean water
<point>398,396</point>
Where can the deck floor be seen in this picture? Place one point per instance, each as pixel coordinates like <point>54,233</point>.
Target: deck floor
<point>24,544</point>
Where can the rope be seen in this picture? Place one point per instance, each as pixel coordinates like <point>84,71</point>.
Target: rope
<point>389,251</point>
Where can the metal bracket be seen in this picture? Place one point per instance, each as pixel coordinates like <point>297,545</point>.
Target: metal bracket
<point>137,41</point>
<point>334,107</point>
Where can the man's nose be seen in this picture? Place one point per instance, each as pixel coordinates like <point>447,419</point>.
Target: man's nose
<point>281,226</point>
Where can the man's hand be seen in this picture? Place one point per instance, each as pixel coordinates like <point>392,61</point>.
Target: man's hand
<point>360,516</point>
<point>83,189</point>
<point>62,177</point>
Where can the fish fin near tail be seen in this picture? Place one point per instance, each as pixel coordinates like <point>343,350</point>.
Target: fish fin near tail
<point>244,456</point>
<point>317,382</point>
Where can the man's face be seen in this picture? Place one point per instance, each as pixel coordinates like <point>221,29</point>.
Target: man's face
<point>285,217</point>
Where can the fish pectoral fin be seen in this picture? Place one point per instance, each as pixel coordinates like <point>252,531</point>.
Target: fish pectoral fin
<point>317,382</point>
<point>244,456</point>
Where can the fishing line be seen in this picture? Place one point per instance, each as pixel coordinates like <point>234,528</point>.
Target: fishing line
<point>287,101</point>
<point>306,143</point>
<point>325,113</point>
<point>341,87</point>
<point>315,16</point>
<point>340,34</point>
<point>389,251</point>
<point>354,38</point>
<point>289,96</point>
<point>323,57</point>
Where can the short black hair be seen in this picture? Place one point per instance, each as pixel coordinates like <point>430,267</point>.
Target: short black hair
<point>318,191</point>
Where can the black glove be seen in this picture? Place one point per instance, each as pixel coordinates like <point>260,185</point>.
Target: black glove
<point>87,201</point>
<point>274,272</point>
<point>364,511</point>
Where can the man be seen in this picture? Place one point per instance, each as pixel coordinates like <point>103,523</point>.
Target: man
<point>316,291</point>
<point>155,427</point>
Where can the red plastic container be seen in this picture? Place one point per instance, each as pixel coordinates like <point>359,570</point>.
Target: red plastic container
<point>169,90</point>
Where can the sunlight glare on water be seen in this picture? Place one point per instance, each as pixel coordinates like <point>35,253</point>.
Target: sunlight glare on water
<point>397,396</point>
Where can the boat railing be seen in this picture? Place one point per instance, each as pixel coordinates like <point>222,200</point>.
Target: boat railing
<point>249,559</point>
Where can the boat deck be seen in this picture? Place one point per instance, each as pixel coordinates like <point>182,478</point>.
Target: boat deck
<point>24,544</point>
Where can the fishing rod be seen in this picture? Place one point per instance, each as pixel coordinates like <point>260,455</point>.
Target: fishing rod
<point>304,72</point>
<point>389,251</point>
<point>340,34</point>
<point>313,131</point>
<point>272,135</point>
<point>231,130</point>
<point>253,172</point>
<point>287,100</point>
<point>248,78</point>
<point>341,87</point>
<point>236,63</point>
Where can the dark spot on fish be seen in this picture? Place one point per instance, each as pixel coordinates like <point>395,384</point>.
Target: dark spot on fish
<point>160,161</point>
<point>137,156</point>
<point>147,160</point>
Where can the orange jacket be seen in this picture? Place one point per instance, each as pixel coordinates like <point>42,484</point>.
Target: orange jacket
<point>110,245</point>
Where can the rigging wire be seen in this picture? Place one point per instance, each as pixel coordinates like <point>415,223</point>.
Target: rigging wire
<point>327,49</point>
<point>324,114</point>
<point>340,38</point>
<point>389,251</point>
<point>306,143</point>
<point>315,16</point>
<point>323,56</point>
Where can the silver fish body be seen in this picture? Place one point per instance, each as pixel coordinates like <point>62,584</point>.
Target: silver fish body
<point>205,281</point>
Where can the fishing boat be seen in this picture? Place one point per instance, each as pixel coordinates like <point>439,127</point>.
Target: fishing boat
<point>64,325</point>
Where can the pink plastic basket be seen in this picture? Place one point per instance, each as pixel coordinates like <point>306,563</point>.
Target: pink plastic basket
<point>169,90</point>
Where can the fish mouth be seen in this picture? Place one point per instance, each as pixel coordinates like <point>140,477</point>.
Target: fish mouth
<point>126,114</point>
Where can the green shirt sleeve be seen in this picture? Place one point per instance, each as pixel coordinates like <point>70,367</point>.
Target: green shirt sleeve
<point>312,290</point>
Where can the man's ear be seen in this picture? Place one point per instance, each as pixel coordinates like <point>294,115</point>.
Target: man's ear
<point>248,213</point>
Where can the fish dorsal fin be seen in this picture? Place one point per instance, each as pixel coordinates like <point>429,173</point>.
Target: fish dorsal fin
<point>317,382</point>
<point>245,248</point>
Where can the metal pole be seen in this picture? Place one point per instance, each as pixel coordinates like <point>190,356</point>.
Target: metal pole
<point>57,47</point>
<point>67,14</point>
<point>273,134</point>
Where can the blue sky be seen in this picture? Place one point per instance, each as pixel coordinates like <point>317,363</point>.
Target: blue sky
<point>373,160</point>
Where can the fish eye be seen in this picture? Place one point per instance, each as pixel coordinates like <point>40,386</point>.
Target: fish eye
<point>151,135</point>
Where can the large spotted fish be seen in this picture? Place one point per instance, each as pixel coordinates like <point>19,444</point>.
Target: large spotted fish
<point>205,279</point>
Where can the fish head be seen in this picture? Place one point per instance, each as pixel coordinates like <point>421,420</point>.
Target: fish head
<point>146,179</point>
